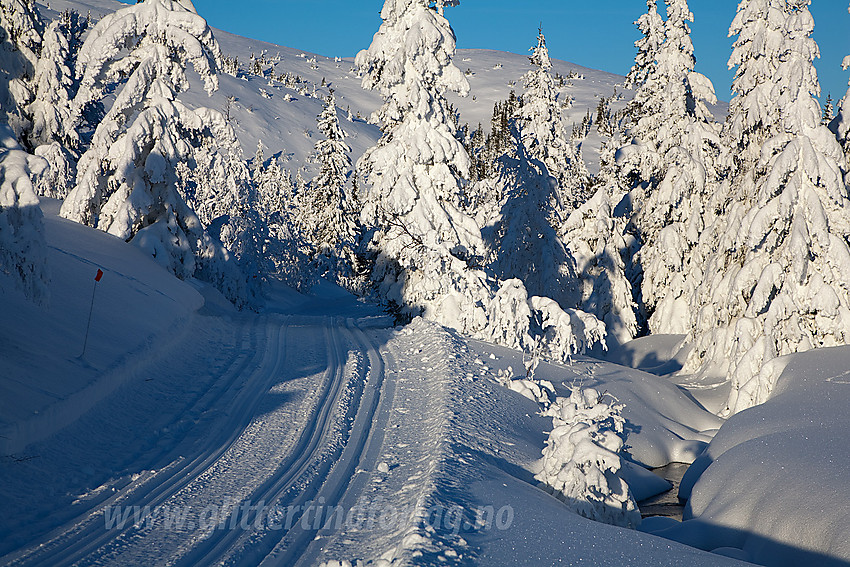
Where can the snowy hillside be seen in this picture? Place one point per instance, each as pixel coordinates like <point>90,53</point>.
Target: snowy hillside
<point>262,111</point>
<point>138,310</point>
<point>212,359</point>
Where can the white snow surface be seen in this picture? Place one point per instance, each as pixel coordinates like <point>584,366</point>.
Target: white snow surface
<point>138,309</point>
<point>187,406</point>
<point>774,481</point>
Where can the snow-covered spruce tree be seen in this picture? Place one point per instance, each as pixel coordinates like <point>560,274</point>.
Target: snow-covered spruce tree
<point>582,458</point>
<point>643,76</point>
<point>669,207</point>
<point>753,119</point>
<point>425,245</point>
<point>23,251</point>
<point>54,82</point>
<point>840,125</point>
<point>427,250</point>
<point>21,29</point>
<point>595,240</point>
<point>543,132</point>
<point>638,164</point>
<point>328,225</point>
<point>790,291</point>
<point>126,180</point>
<point>522,243</point>
<point>53,133</point>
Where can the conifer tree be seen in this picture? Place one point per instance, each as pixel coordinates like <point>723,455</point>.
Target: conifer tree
<point>329,226</point>
<point>53,134</point>
<point>543,130</point>
<point>789,292</point>
<point>523,242</point>
<point>127,179</point>
<point>54,85</point>
<point>840,125</point>
<point>643,75</point>
<point>753,119</point>
<point>425,244</point>
<point>23,250</point>
<point>21,30</point>
<point>686,145</point>
<point>595,239</point>
<point>828,111</point>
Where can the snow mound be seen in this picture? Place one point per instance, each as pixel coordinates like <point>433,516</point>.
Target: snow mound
<point>774,481</point>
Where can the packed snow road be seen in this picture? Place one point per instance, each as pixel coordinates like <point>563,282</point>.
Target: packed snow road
<point>286,420</point>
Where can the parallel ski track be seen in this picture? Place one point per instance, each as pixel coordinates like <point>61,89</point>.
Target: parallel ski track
<point>327,476</point>
<point>318,465</point>
<point>345,486</point>
<point>72,544</point>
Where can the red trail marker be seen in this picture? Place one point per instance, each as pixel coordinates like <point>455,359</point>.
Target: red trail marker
<point>91,309</point>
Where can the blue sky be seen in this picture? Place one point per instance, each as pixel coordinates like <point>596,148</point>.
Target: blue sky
<point>599,34</point>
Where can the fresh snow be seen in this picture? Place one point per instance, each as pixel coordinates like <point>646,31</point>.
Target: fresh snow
<point>774,482</point>
<point>191,433</point>
<point>258,407</point>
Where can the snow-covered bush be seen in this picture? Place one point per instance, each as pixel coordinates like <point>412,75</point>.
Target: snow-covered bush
<point>582,458</point>
<point>536,390</point>
<point>23,251</point>
<point>562,333</point>
<point>59,176</point>
<point>286,248</point>
<point>538,325</point>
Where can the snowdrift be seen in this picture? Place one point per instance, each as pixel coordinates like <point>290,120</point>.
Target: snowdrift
<point>774,481</point>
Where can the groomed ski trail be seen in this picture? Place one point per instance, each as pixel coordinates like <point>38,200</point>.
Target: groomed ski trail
<point>295,430</point>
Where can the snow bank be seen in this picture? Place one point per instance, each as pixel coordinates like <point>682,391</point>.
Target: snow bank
<point>139,309</point>
<point>774,481</point>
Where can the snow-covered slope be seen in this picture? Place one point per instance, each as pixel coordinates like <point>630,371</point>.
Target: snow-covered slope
<point>139,309</point>
<point>774,481</point>
<point>285,119</point>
